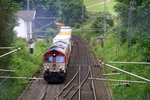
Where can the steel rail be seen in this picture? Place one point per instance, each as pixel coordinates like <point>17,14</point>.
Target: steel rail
<point>80,61</point>
<point>79,86</point>
<point>90,71</point>
<point>68,91</point>
<point>56,97</point>
<point>106,85</point>
<point>91,75</point>
<point>93,87</point>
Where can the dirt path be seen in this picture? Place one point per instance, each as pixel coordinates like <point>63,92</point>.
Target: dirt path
<point>101,3</point>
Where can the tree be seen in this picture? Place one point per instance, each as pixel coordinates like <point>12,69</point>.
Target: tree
<point>72,11</point>
<point>139,16</point>
<point>7,21</point>
<point>98,23</point>
<point>69,10</point>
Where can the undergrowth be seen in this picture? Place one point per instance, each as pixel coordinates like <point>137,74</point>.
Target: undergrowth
<point>25,65</point>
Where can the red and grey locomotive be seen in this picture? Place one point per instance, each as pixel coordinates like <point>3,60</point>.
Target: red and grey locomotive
<point>56,58</point>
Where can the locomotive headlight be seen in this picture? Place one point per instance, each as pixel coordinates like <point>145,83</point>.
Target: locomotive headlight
<point>46,67</point>
<point>61,67</point>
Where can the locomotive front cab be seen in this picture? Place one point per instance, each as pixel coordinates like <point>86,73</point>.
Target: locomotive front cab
<point>54,65</point>
<point>54,61</point>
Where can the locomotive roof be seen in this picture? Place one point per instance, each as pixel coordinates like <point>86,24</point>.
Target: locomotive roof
<point>59,46</point>
<point>61,37</point>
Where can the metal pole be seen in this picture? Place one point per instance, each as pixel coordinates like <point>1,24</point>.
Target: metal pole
<point>101,79</point>
<point>127,72</point>
<point>46,18</point>
<point>82,17</point>
<point>120,84</point>
<point>4,70</point>
<point>10,52</point>
<point>45,26</point>
<point>28,5</point>
<point>111,74</point>
<point>8,77</point>
<point>105,18</point>
<point>8,47</point>
<point>127,62</point>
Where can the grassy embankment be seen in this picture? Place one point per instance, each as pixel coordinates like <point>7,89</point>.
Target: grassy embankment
<point>25,65</point>
<point>90,2</point>
<point>113,50</point>
<point>100,8</point>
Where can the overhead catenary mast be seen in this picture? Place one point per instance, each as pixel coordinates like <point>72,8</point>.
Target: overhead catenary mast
<point>28,5</point>
<point>104,18</point>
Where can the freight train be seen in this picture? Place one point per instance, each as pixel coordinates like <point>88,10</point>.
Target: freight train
<point>57,57</point>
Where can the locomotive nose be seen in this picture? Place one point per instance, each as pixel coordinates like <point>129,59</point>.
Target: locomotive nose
<point>54,66</point>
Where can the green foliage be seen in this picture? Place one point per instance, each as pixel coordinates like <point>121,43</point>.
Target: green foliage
<point>25,65</point>
<point>90,2</point>
<point>145,49</point>
<point>117,50</point>
<point>100,8</point>
<point>7,21</point>
<point>98,23</point>
<point>50,33</point>
<point>72,11</point>
<point>139,53</point>
<point>138,25</point>
<point>69,10</point>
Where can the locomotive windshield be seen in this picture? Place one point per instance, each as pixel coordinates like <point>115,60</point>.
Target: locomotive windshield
<point>49,59</point>
<point>59,58</point>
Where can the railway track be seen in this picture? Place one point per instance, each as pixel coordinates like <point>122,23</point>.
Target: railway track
<point>76,86</point>
<point>73,90</point>
<point>89,64</point>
